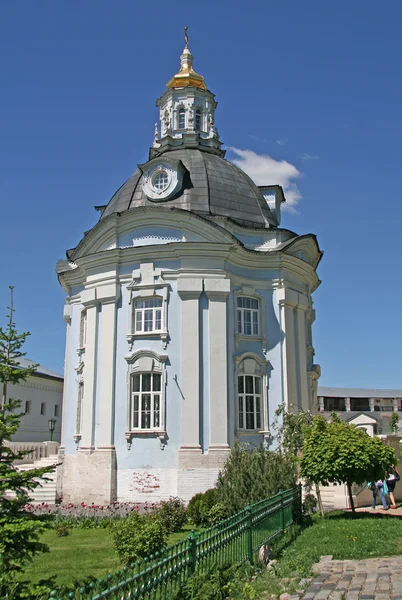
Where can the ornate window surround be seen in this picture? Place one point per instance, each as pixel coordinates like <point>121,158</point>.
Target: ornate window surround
<point>82,332</point>
<point>80,397</point>
<point>139,291</point>
<point>146,361</point>
<point>250,292</point>
<point>250,363</point>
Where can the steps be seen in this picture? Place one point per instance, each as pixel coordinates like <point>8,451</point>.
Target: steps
<point>46,490</point>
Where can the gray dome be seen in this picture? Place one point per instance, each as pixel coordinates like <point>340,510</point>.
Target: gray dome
<point>212,187</point>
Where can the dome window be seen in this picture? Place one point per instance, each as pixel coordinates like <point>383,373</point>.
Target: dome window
<point>161,181</point>
<point>182,118</point>
<point>198,119</point>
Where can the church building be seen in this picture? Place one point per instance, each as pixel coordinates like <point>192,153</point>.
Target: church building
<point>188,314</point>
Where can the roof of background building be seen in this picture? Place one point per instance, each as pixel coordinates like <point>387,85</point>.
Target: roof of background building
<point>335,392</point>
<point>40,370</point>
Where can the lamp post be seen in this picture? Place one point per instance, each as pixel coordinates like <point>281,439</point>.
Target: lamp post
<point>52,425</point>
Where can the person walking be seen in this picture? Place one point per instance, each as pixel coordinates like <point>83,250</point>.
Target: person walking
<point>391,479</point>
<point>382,488</point>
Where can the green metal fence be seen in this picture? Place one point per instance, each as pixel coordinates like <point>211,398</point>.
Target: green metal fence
<point>233,540</point>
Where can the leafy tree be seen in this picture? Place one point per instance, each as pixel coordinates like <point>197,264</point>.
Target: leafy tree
<point>252,474</point>
<point>337,452</point>
<point>19,529</point>
<point>394,423</point>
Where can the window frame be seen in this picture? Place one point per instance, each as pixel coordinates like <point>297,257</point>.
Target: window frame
<point>199,114</point>
<point>83,331</point>
<point>253,312</point>
<point>80,403</point>
<point>145,291</point>
<point>141,363</point>
<point>242,397</point>
<point>43,408</point>
<point>181,112</point>
<point>250,292</point>
<point>143,310</point>
<point>251,364</point>
<point>141,393</point>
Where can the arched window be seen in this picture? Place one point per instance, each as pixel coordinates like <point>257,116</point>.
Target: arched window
<point>182,118</point>
<point>198,119</point>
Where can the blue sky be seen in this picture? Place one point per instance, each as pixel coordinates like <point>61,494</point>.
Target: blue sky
<point>315,84</point>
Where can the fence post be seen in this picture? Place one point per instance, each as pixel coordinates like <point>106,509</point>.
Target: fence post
<point>192,540</point>
<point>249,514</point>
<point>281,513</point>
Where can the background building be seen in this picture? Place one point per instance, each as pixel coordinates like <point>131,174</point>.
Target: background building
<point>189,317</point>
<point>367,408</point>
<point>41,399</point>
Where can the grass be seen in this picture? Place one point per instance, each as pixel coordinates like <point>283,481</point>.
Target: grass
<point>339,534</point>
<point>82,553</point>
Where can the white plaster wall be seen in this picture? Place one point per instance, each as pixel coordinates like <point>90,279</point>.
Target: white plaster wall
<point>34,426</point>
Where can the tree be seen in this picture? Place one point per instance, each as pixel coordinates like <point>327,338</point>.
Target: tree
<point>394,423</point>
<point>19,529</point>
<point>337,452</point>
<point>291,437</point>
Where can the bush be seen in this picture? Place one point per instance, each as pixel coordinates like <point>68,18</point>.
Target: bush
<point>252,474</point>
<point>215,514</point>
<point>173,514</point>
<point>310,504</point>
<point>62,530</point>
<point>193,509</point>
<point>200,505</point>
<point>138,536</point>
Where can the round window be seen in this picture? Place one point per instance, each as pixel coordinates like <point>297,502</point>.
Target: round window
<point>161,181</point>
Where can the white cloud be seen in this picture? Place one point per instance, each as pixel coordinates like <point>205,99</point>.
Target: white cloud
<point>265,170</point>
<point>306,156</point>
<point>282,141</point>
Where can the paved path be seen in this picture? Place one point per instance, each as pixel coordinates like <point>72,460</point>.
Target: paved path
<point>376,578</point>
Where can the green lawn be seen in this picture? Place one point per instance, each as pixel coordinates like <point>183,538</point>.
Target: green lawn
<point>365,536</point>
<point>82,553</point>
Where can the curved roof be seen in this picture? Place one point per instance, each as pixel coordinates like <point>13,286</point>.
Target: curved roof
<point>212,187</point>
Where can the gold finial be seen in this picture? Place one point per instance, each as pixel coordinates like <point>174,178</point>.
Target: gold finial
<point>186,76</point>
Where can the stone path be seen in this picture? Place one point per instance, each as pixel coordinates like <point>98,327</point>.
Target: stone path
<point>376,578</point>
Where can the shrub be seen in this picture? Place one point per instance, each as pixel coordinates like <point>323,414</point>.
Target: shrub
<point>200,506</point>
<point>173,514</point>
<point>193,509</point>
<point>216,514</point>
<point>138,536</point>
<point>62,531</point>
<point>252,474</point>
<point>309,504</point>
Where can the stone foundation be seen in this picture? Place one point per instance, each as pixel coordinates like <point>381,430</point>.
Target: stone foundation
<point>89,476</point>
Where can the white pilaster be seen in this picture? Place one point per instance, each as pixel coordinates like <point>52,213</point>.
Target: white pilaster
<point>107,295</point>
<point>395,404</point>
<point>321,404</point>
<point>88,299</point>
<point>189,291</point>
<point>372,404</point>
<point>301,309</point>
<point>347,404</point>
<point>288,299</point>
<point>217,291</point>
